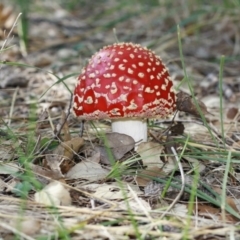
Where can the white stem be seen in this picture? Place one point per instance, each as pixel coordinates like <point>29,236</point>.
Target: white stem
<point>136,128</point>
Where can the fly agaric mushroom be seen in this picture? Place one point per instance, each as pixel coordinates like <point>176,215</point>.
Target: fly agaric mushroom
<point>126,83</point>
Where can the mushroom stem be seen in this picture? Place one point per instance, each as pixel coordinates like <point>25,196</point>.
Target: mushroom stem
<point>136,128</point>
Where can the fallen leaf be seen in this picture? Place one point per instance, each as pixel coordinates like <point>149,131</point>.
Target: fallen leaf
<point>176,129</point>
<point>118,143</point>
<point>186,103</point>
<point>150,153</point>
<point>210,211</point>
<point>111,191</point>
<point>199,166</point>
<point>69,148</point>
<point>9,168</point>
<point>145,176</point>
<point>179,210</point>
<point>134,205</point>
<point>7,18</point>
<point>232,112</point>
<point>54,194</point>
<point>42,174</point>
<point>61,158</point>
<point>29,226</point>
<point>42,60</point>
<point>88,170</point>
<point>14,81</point>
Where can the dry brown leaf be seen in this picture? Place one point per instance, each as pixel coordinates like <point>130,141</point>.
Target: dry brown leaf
<point>6,16</point>
<point>69,148</point>
<point>177,129</point>
<point>232,112</point>
<point>118,143</point>
<point>209,211</point>
<point>145,176</point>
<point>53,162</point>
<point>150,153</point>
<point>14,80</point>
<point>61,158</point>
<point>232,204</point>
<point>186,104</point>
<point>42,172</point>
<point>42,60</point>
<point>88,170</point>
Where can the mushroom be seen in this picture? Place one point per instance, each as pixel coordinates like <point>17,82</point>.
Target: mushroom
<point>126,83</point>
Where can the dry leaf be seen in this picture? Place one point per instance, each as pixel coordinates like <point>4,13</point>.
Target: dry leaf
<point>42,60</point>
<point>215,213</point>
<point>42,172</point>
<point>7,18</point>
<point>232,112</point>
<point>199,166</point>
<point>176,129</point>
<point>186,104</point>
<point>179,210</point>
<point>111,191</point>
<point>61,158</point>
<point>53,162</point>
<point>232,204</point>
<point>145,176</point>
<point>88,170</point>
<point>29,226</point>
<point>118,143</point>
<point>14,81</point>
<point>10,186</point>
<point>9,168</point>
<point>150,153</point>
<point>54,194</point>
<point>134,206</point>
<point>69,148</point>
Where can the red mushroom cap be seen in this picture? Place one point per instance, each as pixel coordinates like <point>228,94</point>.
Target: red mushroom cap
<point>124,80</point>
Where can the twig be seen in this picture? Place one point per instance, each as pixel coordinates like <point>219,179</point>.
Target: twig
<point>183,183</point>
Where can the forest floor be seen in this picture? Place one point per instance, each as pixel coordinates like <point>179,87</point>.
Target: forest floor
<point>58,184</point>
